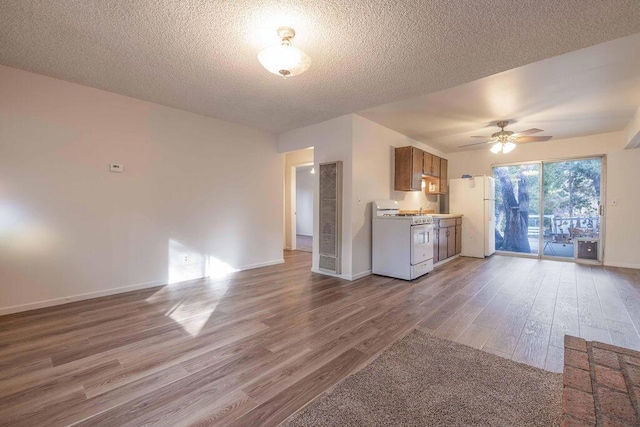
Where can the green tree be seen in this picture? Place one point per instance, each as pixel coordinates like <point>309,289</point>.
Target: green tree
<point>514,210</point>
<point>572,189</point>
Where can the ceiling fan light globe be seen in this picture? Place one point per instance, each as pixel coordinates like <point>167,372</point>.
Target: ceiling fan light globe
<point>496,148</point>
<point>284,60</point>
<point>508,147</point>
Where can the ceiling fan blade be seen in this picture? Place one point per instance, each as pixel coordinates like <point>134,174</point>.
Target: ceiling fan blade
<point>476,136</point>
<point>475,143</point>
<point>528,132</point>
<point>533,138</point>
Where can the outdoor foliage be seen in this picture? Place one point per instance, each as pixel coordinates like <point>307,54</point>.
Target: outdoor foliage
<point>514,200</point>
<point>571,190</point>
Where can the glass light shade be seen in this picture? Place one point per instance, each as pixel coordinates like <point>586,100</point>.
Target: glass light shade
<point>496,148</point>
<point>284,60</point>
<point>508,147</point>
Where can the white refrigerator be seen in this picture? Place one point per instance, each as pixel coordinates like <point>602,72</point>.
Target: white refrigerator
<point>474,198</point>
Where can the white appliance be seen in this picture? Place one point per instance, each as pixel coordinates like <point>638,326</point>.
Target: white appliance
<point>402,244</point>
<point>475,199</point>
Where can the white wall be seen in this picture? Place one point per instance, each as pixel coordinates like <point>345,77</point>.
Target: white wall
<point>622,238</point>
<point>632,131</point>
<point>623,229</point>
<point>304,201</point>
<point>373,179</point>
<point>194,186</point>
<point>299,157</point>
<point>366,149</point>
<point>331,141</point>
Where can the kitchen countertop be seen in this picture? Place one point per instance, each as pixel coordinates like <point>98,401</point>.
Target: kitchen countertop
<point>452,215</point>
<point>416,211</point>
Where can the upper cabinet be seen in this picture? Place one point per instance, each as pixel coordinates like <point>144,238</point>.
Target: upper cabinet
<point>444,176</point>
<point>413,165</point>
<point>431,165</point>
<point>409,164</point>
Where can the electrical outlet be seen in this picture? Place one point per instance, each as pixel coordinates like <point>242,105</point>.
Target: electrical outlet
<point>186,258</point>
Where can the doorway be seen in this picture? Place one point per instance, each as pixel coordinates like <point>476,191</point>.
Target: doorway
<point>295,161</point>
<point>303,209</point>
<point>551,209</point>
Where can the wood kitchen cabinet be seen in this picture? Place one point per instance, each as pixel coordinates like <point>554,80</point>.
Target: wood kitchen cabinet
<point>458,235</point>
<point>444,176</point>
<point>448,238</point>
<point>431,165</point>
<point>409,164</point>
<point>412,165</point>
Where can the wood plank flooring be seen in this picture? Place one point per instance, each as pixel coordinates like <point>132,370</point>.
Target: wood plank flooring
<point>254,348</point>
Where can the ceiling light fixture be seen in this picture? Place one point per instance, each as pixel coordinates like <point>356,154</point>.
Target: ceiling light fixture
<point>283,59</point>
<point>503,144</point>
<point>508,147</point>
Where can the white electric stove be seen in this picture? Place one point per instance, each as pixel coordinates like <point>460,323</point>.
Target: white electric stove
<point>402,243</point>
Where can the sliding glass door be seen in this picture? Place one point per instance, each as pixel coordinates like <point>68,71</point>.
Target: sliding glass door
<point>550,209</point>
<point>517,208</point>
<point>571,204</point>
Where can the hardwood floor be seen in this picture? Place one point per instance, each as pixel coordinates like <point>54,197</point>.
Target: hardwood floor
<point>254,348</point>
<point>304,243</point>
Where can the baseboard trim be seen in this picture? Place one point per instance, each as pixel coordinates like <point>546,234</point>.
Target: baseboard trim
<point>361,275</point>
<point>262,264</point>
<point>327,273</point>
<point>622,265</point>
<point>348,277</point>
<point>79,297</point>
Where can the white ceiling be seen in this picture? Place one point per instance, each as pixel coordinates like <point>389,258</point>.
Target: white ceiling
<point>589,91</point>
<point>200,55</point>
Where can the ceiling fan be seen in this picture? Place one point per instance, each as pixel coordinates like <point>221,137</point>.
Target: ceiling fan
<point>505,140</point>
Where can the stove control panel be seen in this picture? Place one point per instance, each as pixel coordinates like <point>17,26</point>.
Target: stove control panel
<point>422,220</point>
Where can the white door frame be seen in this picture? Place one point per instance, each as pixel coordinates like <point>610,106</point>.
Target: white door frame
<point>292,197</point>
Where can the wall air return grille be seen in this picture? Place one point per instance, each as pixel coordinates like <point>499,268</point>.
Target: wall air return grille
<point>330,244</point>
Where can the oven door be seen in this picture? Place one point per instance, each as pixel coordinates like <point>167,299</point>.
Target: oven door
<point>421,243</point>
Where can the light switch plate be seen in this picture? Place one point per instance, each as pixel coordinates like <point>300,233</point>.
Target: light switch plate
<point>116,167</point>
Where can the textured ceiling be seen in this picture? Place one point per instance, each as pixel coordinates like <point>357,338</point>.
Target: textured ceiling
<point>590,91</point>
<point>200,55</point>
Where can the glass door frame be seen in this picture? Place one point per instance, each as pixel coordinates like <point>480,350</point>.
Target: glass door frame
<point>602,211</point>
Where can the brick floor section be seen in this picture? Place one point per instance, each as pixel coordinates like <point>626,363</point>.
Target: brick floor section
<point>601,384</point>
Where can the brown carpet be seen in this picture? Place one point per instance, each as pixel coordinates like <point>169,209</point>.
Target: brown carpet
<point>423,380</point>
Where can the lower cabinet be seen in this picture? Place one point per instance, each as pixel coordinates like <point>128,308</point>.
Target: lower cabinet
<point>448,238</point>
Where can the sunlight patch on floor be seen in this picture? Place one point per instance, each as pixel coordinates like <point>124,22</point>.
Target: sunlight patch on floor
<point>217,269</point>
